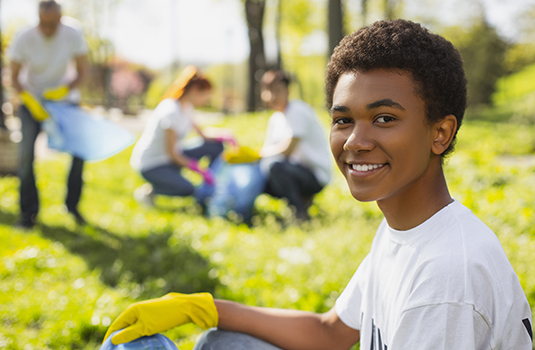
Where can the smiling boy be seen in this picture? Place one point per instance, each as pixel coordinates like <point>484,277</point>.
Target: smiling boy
<point>436,277</point>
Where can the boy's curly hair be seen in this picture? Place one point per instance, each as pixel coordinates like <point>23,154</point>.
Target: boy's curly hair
<point>434,63</point>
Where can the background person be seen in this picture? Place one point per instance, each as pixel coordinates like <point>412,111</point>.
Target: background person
<point>44,53</point>
<point>295,155</point>
<point>436,277</point>
<point>160,153</point>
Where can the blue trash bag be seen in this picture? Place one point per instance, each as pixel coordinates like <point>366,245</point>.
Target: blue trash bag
<point>90,137</point>
<point>205,191</point>
<point>236,188</point>
<point>153,342</point>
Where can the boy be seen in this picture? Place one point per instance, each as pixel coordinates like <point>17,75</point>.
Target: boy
<point>436,277</point>
<point>295,156</point>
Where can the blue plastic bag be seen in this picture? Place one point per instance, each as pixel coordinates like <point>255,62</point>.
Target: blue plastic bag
<point>236,188</point>
<point>90,137</point>
<point>153,342</point>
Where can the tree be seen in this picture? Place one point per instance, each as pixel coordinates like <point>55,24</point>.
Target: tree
<point>335,24</point>
<point>93,14</point>
<point>254,14</point>
<point>278,63</point>
<point>483,52</point>
<point>2,116</point>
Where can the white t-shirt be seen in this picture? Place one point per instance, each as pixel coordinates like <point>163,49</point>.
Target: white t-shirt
<point>446,284</point>
<point>150,151</point>
<point>48,62</point>
<point>299,120</point>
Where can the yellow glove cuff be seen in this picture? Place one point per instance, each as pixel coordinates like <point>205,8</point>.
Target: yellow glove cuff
<point>33,105</point>
<point>56,93</point>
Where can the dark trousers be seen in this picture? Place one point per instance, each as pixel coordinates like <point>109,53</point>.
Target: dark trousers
<point>167,180</point>
<point>29,199</point>
<point>294,182</point>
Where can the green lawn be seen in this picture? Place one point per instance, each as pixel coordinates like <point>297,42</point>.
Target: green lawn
<point>61,285</point>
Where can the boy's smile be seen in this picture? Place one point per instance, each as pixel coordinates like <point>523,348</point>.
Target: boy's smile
<point>381,138</point>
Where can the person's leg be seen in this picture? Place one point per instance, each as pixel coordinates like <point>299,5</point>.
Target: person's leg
<point>211,149</point>
<point>74,188</point>
<point>167,180</point>
<point>215,339</point>
<point>29,201</point>
<point>294,182</point>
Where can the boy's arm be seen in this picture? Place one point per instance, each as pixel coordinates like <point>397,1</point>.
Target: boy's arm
<point>285,147</point>
<point>288,329</point>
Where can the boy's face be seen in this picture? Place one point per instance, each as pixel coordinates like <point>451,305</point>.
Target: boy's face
<point>380,136</point>
<point>275,95</point>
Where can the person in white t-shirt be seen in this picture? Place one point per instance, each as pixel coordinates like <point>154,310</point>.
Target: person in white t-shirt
<point>295,155</point>
<point>436,277</point>
<point>48,60</point>
<point>160,152</point>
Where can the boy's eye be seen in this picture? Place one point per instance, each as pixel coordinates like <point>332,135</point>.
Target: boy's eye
<point>385,119</point>
<point>341,121</point>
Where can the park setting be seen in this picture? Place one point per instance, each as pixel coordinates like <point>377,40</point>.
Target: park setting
<point>70,271</point>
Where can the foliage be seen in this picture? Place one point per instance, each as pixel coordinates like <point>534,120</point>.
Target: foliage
<point>514,87</point>
<point>483,52</point>
<point>518,56</point>
<point>61,285</point>
<point>514,99</point>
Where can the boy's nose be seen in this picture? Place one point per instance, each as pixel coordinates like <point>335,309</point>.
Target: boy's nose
<point>359,140</point>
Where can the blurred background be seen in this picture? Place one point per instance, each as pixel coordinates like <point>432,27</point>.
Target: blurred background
<point>137,47</point>
<point>61,285</point>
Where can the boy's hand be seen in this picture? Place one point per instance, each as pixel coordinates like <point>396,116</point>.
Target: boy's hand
<point>158,315</point>
<point>34,106</point>
<point>57,93</point>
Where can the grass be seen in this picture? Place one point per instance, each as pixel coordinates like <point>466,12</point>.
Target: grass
<point>62,285</point>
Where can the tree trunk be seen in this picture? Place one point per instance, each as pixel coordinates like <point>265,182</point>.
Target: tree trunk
<point>2,116</point>
<point>335,23</point>
<point>278,64</point>
<point>254,13</point>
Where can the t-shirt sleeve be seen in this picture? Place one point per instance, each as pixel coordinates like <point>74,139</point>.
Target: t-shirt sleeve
<point>79,44</point>
<point>167,121</point>
<point>348,305</point>
<point>16,51</point>
<point>298,117</point>
<point>442,327</point>
<point>172,118</point>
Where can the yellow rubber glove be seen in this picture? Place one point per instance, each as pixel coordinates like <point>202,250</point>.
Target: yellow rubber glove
<point>33,105</point>
<point>158,315</point>
<point>56,93</point>
<point>240,154</point>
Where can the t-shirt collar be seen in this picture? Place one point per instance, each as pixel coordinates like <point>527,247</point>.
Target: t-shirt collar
<point>431,224</point>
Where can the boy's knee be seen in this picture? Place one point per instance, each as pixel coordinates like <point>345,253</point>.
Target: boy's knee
<point>211,339</point>
<point>277,169</point>
<point>215,339</point>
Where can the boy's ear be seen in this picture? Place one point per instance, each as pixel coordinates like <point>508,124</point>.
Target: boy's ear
<point>444,132</point>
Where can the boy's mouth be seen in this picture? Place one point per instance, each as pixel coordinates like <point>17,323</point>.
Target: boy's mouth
<point>365,167</point>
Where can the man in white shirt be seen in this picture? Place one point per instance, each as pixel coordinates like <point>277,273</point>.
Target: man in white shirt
<point>41,65</point>
<point>295,156</point>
